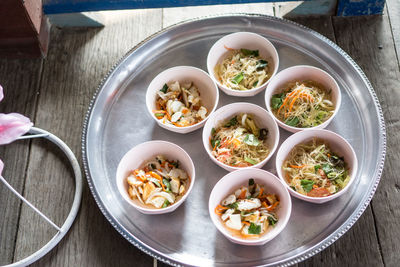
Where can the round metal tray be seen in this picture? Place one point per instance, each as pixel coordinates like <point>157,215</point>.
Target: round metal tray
<point>117,120</point>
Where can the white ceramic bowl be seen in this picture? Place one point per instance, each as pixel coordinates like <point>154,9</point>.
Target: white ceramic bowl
<point>262,118</point>
<point>238,40</point>
<point>140,154</point>
<point>301,73</point>
<point>234,180</point>
<point>208,92</point>
<point>337,144</point>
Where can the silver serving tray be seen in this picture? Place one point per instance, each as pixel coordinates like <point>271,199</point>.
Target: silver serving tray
<point>117,120</point>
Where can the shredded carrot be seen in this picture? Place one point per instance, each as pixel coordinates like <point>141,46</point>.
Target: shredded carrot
<point>185,110</point>
<point>219,208</point>
<point>293,101</point>
<point>315,186</point>
<point>283,104</point>
<point>215,147</point>
<point>249,236</point>
<point>228,48</point>
<point>261,192</point>
<point>158,177</point>
<point>273,206</point>
<point>168,116</point>
<point>236,142</point>
<point>246,222</point>
<point>159,111</point>
<point>297,167</point>
<point>264,204</point>
<point>242,194</point>
<point>329,155</point>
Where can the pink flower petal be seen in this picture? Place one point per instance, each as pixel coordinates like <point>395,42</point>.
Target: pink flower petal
<point>12,126</point>
<point>1,93</point>
<point>1,167</point>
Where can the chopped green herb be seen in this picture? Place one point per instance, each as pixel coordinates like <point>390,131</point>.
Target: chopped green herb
<point>166,204</point>
<point>159,114</point>
<point>167,184</point>
<point>254,229</point>
<point>272,220</point>
<point>233,205</point>
<point>154,181</point>
<point>250,160</point>
<point>212,131</point>
<point>294,188</point>
<point>251,181</point>
<point>175,164</point>
<point>164,89</point>
<point>215,142</point>
<point>327,168</point>
<point>306,184</point>
<point>292,121</point>
<point>238,78</point>
<point>251,140</point>
<point>317,167</point>
<point>261,64</point>
<point>255,83</point>
<point>248,52</point>
<point>231,122</point>
<point>277,100</point>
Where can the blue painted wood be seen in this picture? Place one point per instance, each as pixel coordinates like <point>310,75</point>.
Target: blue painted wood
<point>360,7</point>
<point>72,6</point>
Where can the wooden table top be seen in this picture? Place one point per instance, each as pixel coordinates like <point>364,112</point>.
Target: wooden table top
<point>55,93</point>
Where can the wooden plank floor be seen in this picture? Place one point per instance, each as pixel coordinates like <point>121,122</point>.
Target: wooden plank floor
<point>55,93</point>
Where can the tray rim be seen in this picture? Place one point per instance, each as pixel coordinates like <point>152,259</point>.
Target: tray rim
<point>290,261</point>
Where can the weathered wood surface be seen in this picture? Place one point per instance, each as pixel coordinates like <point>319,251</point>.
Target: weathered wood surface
<point>20,80</point>
<point>393,11</point>
<point>174,15</point>
<point>65,82</point>
<point>375,53</point>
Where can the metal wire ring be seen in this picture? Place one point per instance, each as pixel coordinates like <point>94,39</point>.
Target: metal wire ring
<point>37,132</point>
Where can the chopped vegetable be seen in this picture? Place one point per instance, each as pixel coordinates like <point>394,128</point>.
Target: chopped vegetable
<point>231,122</point>
<point>179,105</point>
<point>251,140</point>
<point>303,104</point>
<point>307,185</point>
<point>250,160</point>
<point>254,229</point>
<point>158,184</point>
<point>246,212</point>
<point>272,220</point>
<point>242,69</point>
<point>248,52</point>
<point>164,89</point>
<point>313,169</point>
<point>238,78</point>
<point>239,142</point>
<point>292,121</point>
<point>166,204</point>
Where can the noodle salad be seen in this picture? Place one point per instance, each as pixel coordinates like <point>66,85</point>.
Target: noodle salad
<point>312,169</point>
<point>303,104</point>
<point>242,70</point>
<point>238,142</point>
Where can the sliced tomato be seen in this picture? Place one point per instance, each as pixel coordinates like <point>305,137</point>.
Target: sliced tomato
<point>318,192</point>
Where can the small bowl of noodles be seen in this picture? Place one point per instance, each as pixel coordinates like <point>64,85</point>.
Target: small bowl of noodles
<point>242,63</point>
<point>303,97</point>
<point>240,135</point>
<point>316,165</point>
